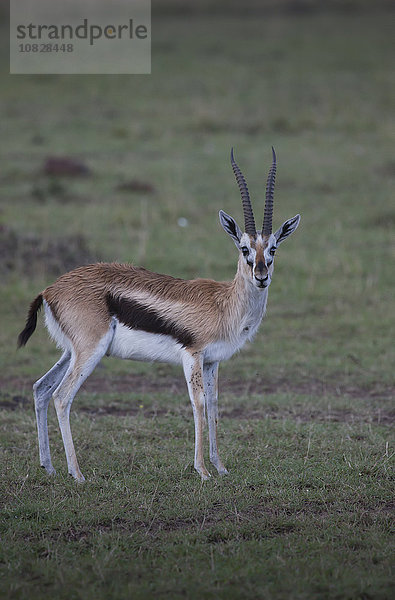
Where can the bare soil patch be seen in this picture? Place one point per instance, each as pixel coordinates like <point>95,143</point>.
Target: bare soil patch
<point>65,166</point>
<point>137,186</point>
<point>32,256</point>
<point>141,384</point>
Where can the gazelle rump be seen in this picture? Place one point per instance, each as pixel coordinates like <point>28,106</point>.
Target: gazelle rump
<point>129,312</point>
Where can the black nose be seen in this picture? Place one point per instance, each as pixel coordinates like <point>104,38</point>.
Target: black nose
<point>261,279</point>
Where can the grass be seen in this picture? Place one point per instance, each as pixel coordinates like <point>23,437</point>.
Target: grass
<point>306,511</point>
<point>305,410</point>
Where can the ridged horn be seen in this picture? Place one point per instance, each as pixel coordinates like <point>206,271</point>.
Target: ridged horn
<point>270,183</point>
<point>249,221</point>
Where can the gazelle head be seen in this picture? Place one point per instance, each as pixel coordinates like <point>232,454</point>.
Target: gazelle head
<point>257,248</point>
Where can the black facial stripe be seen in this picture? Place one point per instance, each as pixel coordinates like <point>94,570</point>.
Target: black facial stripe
<point>135,315</point>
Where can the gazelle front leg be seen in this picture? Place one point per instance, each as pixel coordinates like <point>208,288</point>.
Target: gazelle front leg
<point>210,374</point>
<point>193,371</point>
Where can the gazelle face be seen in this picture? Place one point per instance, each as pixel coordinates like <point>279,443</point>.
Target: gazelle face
<point>256,257</point>
<point>257,251</point>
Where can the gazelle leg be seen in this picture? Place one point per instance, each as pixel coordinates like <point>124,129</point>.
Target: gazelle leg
<point>82,365</point>
<point>210,373</point>
<point>193,371</point>
<point>63,398</point>
<point>42,392</point>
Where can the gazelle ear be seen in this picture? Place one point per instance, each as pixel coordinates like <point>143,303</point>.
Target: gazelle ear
<point>286,229</point>
<point>231,227</point>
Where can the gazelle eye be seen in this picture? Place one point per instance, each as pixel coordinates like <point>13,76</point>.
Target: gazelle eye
<point>245,250</point>
<point>272,251</point>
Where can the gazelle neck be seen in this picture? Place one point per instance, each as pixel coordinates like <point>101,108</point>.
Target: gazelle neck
<point>247,303</point>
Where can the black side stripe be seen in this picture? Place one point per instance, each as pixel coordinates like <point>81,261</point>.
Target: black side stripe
<point>135,315</point>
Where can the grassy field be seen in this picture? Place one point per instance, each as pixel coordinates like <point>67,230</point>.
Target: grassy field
<point>306,411</point>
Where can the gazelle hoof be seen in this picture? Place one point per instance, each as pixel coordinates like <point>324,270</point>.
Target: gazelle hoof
<point>79,477</point>
<point>204,474</point>
<point>223,472</point>
<point>50,470</point>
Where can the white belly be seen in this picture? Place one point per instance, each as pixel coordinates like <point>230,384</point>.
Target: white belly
<point>218,351</point>
<point>135,344</point>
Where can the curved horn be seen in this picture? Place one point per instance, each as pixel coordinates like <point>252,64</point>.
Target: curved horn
<point>270,183</point>
<point>249,221</point>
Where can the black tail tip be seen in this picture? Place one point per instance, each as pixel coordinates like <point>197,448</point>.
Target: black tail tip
<point>24,336</point>
<point>31,321</point>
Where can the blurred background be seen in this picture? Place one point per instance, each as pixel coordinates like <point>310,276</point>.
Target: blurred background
<point>135,168</point>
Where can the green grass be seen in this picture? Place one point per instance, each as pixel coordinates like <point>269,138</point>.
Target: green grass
<point>305,410</point>
<point>306,511</point>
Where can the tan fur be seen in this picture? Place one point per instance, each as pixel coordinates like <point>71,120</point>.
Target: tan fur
<point>208,308</point>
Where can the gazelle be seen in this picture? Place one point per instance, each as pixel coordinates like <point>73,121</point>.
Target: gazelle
<point>126,311</point>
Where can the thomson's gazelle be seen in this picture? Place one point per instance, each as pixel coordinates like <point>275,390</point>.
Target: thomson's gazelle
<point>126,311</point>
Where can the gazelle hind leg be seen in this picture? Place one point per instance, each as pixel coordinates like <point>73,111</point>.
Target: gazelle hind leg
<point>42,392</point>
<point>193,365</point>
<point>210,373</point>
<point>82,365</point>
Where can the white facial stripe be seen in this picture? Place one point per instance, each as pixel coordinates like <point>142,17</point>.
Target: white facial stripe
<point>271,244</point>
